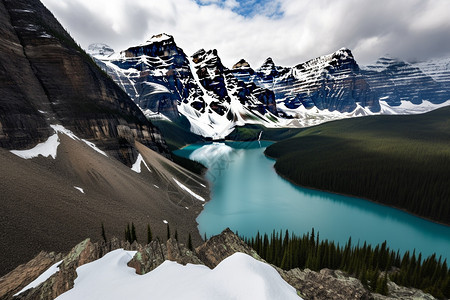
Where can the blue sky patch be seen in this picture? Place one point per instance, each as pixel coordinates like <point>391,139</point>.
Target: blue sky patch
<point>248,8</point>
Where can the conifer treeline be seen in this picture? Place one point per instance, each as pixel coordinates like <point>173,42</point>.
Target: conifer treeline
<point>130,235</point>
<point>372,265</point>
<point>401,161</point>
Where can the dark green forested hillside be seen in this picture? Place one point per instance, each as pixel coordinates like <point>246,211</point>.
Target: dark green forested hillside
<point>403,161</point>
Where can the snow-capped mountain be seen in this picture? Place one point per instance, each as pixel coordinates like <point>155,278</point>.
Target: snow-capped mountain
<point>165,82</point>
<point>394,81</point>
<point>332,82</point>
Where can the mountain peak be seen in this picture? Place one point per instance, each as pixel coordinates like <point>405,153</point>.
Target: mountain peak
<point>100,49</point>
<point>343,53</point>
<point>268,63</point>
<point>242,64</point>
<point>160,38</point>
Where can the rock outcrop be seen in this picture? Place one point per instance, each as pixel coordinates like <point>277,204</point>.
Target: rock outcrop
<point>26,273</point>
<point>326,284</point>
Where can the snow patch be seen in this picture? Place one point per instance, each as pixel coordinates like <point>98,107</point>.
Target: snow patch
<point>78,188</point>
<point>50,147</point>
<point>237,277</point>
<point>165,222</point>
<point>156,186</point>
<point>46,149</point>
<point>183,187</point>
<point>42,278</point>
<point>137,165</point>
<point>93,146</point>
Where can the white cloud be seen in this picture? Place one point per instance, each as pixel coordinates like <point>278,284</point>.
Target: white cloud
<point>411,29</point>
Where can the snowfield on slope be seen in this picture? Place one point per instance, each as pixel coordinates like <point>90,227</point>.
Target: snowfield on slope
<point>236,277</point>
<point>50,146</point>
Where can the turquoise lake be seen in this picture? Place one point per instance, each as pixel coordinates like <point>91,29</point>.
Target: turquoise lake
<point>248,196</point>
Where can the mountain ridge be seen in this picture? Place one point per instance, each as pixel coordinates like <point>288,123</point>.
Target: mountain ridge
<point>325,88</point>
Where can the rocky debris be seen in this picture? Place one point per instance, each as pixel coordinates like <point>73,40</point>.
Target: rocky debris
<point>326,284</point>
<point>401,292</point>
<point>26,273</point>
<point>310,285</point>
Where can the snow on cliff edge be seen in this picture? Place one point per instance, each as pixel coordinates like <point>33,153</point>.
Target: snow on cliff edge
<point>237,277</point>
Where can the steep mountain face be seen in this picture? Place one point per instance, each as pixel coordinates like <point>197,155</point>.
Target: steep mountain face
<point>395,81</point>
<point>332,82</point>
<point>438,69</point>
<point>47,79</point>
<point>164,82</point>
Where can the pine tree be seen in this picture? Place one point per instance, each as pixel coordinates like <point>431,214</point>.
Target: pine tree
<point>189,243</point>
<point>168,231</point>
<point>176,235</point>
<point>103,233</point>
<point>128,233</point>
<point>149,234</point>
<point>382,287</point>
<point>133,233</point>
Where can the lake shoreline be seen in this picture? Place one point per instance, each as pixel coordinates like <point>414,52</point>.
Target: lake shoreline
<point>354,196</point>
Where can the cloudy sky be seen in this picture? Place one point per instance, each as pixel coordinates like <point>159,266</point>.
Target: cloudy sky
<point>289,31</point>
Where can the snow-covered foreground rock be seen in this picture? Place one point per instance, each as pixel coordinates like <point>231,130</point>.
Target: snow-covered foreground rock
<point>224,267</point>
<point>237,277</point>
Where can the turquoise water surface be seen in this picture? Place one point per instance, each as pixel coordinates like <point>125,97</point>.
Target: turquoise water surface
<point>248,196</point>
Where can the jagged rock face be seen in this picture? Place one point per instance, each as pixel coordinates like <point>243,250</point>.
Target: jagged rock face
<point>157,76</point>
<point>219,247</point>
<point>150,256</point>
<point>50,80</point>
<point>394,81</point>
<point>160,78</point>
<point>336,84</point>
<point>332,82</point>
<point>210,72</point>
<point>269,70</point>
<point>222,82</point>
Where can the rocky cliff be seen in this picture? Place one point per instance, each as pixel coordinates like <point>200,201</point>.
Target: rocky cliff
<point>48,79</point>
<point>326,284</point>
